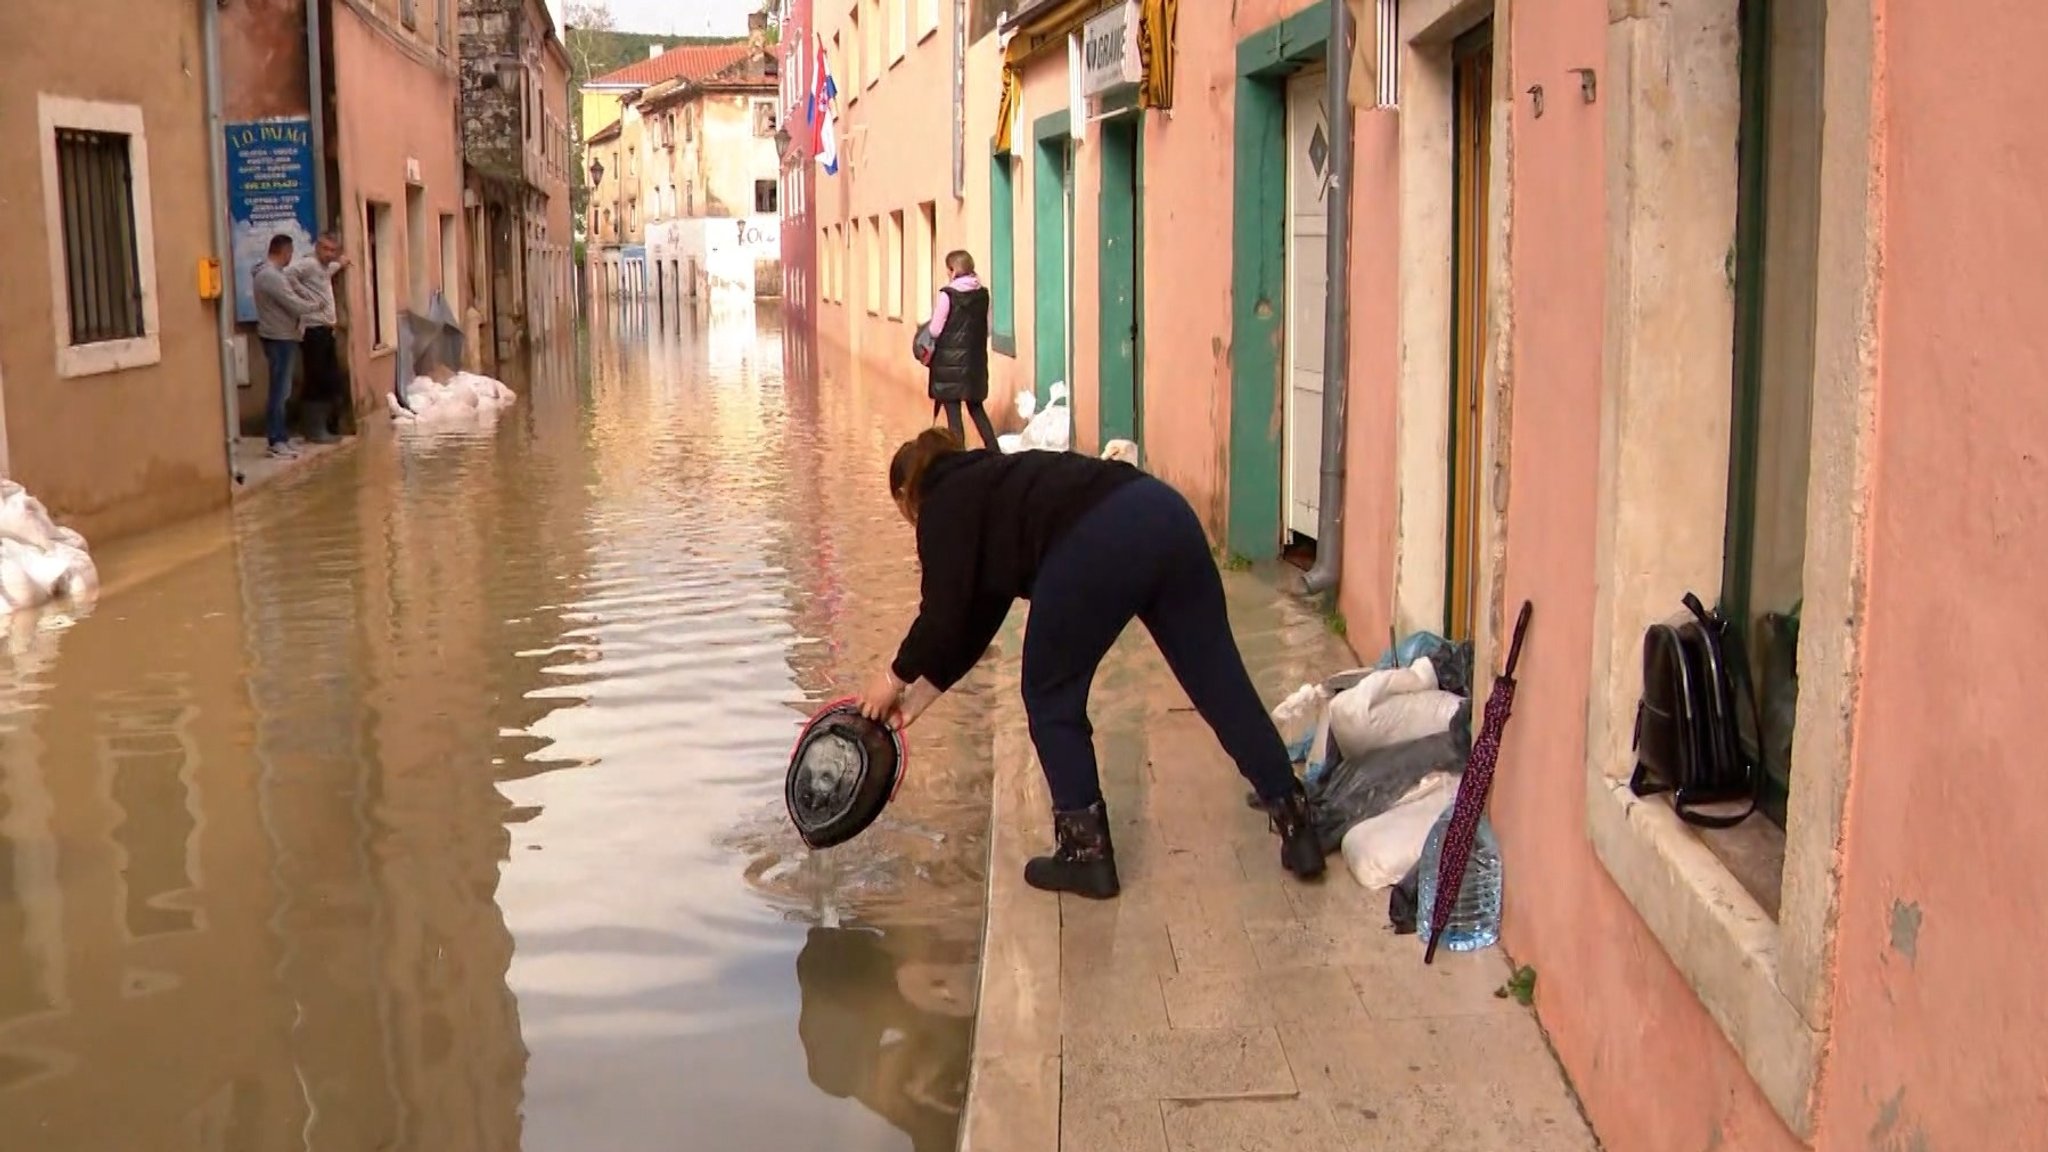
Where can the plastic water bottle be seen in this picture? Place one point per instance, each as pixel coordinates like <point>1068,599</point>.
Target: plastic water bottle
<point>1475,919</point>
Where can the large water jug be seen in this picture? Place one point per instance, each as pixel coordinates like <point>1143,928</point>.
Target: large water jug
<point>1475,919</point>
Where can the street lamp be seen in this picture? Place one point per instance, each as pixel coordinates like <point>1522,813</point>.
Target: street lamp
<point>596,173</point>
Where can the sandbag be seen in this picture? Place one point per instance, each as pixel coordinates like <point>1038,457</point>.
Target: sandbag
<point>1358,788</point>
<point>23,519</point>
<point>1391,706</point>
<point>1300,717</point>
<point>30,577</point>
<point>1051,430</point>
<point>1379,851</point>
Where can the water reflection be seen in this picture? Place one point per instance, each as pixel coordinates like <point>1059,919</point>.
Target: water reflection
<point>884,1028</point>
<point>431,799</point>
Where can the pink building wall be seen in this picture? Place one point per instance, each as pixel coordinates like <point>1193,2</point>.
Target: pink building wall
<point>1939,1023</point>
<point>1935,1017</point>
<point>1366,594</point>
<point>399,109</point>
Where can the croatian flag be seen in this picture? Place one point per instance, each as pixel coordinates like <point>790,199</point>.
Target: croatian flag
<point>823,119</point>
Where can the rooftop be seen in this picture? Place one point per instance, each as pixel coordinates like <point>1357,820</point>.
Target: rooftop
<point>686,62</point>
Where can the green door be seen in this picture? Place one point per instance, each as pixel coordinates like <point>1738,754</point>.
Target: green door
<point>1049,254</point>
<point>1120,277</point>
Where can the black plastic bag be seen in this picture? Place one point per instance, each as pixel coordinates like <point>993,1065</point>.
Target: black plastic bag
<point>1357,788</point>
<point>1453,664</point>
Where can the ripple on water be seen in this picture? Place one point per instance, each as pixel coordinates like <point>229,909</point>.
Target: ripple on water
<point>464,831</point>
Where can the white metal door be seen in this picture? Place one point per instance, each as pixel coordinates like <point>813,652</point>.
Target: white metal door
<point>1308,225</point>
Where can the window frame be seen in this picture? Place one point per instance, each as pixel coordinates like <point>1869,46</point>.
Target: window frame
<point>895,283</point>
<point>1767,982</point>
<point>1002,250</point>
<point>380,251</point>
<point>774,190</point>
<point>55,113</point>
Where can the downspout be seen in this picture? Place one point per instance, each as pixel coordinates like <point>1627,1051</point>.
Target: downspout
<point>1328,569</point>
<point>316,92</point>
<point>223,250</point>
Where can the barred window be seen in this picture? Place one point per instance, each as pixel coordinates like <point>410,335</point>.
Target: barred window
<point>103,278</point>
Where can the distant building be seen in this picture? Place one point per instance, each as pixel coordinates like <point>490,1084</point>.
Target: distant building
<point>617,155</point>
<point>794,22</point>
<point>515,148</point>
<point>712,185</point>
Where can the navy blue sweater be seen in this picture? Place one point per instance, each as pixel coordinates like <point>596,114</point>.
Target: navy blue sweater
<point>985,522</point>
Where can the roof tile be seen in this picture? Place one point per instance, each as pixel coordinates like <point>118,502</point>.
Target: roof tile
<point>691,62</point>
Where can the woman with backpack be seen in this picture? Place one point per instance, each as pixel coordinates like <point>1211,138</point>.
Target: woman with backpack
<point>958,363</point>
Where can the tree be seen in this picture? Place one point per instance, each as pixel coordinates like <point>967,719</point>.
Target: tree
<point>585,16</point>
<point>585,23</point>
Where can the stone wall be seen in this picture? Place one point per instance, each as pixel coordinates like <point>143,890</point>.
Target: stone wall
<point>492,127</point>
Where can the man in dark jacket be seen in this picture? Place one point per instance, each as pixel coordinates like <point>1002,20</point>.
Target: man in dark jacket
<point>959,361</point>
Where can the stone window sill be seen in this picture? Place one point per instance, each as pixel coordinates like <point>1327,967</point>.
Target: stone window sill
<point>1717,933</point>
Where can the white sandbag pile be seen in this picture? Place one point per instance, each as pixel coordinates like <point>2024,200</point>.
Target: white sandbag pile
<point>465,398</point>
<point>39,560</point>
<point>1050,430</point>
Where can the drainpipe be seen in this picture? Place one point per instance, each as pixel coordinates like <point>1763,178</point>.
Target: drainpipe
<point>316,86</point>
<point>1329,566</point>
<point>223,248</point>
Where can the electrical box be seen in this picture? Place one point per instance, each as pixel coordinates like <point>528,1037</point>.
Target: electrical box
<point>209,279</point>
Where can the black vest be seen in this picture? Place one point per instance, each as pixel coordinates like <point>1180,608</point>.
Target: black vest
<point>960,357</point>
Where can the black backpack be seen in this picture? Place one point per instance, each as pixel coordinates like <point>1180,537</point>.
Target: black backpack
<point>1689,733</point>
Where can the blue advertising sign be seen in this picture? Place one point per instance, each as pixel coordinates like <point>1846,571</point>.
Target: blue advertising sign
<point>270,191</point>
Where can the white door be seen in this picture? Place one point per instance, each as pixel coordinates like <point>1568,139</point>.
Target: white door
<point>1308,225</point>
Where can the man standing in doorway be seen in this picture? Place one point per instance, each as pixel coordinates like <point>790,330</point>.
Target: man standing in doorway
<point>314,276</point>
<point>282,311</point>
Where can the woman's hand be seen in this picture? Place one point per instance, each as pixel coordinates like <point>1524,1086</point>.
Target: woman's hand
<point>915,700</point>
<point>879,699</point>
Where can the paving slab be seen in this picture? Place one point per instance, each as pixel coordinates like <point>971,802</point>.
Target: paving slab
<point>1218,1005</point>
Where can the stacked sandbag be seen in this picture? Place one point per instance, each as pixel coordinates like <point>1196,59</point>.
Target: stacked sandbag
<point>464,398</point>
<point>40,561</point>
<point>1045,430</point>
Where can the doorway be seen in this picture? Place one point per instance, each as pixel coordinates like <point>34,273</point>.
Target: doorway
<point>1471,148</point>
<point>1307,256</point>
<point>416,259</point>
<point>1121,280</point>
<point>1051,259</point>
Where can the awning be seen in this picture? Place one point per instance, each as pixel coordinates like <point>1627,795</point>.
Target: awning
<point>1044,24</point>
<point>1157,21</point>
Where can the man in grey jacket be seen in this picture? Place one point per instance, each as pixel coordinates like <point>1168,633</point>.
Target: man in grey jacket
<point>282,309</point>
<point>318,346</point>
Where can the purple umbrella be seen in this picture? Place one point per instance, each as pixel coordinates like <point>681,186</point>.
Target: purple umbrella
<point>1472,790</point>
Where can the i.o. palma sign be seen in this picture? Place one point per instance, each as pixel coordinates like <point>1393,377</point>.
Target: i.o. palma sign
<point>1109,50</point>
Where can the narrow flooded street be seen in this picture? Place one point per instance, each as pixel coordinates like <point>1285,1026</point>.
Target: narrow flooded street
<point>431,800</point>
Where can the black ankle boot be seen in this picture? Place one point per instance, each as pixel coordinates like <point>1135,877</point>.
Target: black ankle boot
<point>1301,850</point>
<point>1085,861</point>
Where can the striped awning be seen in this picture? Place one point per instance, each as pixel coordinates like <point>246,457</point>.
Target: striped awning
<point>1045,24</point>
<point>1157,20</point>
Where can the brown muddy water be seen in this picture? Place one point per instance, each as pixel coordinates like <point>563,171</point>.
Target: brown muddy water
<point>430,801</point>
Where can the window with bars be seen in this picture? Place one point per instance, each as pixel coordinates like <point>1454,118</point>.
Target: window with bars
<point>102,268</point>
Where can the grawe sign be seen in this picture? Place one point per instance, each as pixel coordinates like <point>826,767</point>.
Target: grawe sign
<point>1109,50</point>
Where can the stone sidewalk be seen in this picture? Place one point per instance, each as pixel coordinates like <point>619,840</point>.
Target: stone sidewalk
<point>1220,1005</point>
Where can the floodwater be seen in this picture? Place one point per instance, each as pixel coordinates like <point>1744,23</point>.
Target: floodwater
<point>431,799</point>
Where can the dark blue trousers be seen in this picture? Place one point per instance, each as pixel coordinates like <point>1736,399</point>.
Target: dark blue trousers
<point>1140,554</point>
